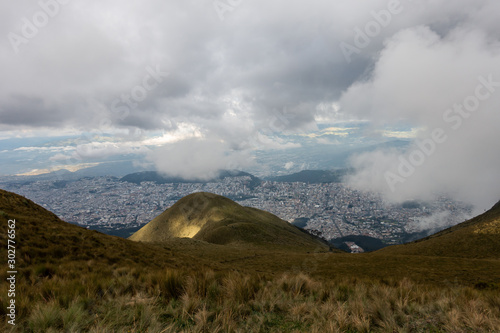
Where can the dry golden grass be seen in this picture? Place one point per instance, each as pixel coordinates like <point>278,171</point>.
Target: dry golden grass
<point>166,300</point>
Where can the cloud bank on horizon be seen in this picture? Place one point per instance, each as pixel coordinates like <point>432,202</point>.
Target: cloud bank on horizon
<point>241,73</point>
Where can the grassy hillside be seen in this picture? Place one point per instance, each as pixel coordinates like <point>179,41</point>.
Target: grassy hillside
<point>75,280</point>
<point>44,240</point>
<point>219,220</point>
<point>476,238</point>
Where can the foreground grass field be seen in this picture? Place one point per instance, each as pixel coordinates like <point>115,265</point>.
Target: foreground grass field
<point>75,280</point>
<point>129,299</point>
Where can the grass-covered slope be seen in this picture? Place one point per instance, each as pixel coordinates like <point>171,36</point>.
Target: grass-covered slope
<point>219,220</point>
<point>45,243</point>
<point>476,238</point>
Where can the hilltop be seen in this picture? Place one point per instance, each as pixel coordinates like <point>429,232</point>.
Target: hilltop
<point>215,219</point>
<point>478,237</point>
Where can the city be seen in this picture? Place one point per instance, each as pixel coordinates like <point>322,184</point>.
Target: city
<point>330,210</point>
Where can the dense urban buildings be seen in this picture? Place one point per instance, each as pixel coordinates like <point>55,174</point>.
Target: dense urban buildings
<point>331,210</point>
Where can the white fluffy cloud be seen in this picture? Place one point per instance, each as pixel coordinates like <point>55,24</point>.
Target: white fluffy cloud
<point>198,159</point>
<point>448,84</point>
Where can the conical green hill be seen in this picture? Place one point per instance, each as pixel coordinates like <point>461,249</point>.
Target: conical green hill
<point>219,220</point>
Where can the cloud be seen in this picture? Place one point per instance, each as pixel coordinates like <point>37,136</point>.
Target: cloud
<point>410,134</point>
<point>198,158</point>
<point>445,72</point>
<point>337,131</point>
<point>60,157</point>
<point>439,220</point>
<point>264,142</point>
<point>265,72</point>
<point>101,150</point>
<point>287,60</point>
<point>43,149</point>
<point>21,110</point>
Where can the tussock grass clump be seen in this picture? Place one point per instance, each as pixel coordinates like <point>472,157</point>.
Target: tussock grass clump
<point>240,288</point>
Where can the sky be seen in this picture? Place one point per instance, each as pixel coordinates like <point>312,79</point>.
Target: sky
<point>190,87</point>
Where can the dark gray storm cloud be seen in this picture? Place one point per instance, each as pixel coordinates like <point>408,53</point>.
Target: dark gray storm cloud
<point>283,55</point>
<point>22,110</point>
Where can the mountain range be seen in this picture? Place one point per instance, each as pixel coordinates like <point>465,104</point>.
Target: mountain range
<point>126,171</point>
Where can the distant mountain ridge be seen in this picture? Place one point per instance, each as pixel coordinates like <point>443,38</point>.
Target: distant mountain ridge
<point>158,178</point>
<point>313,176</point>
<point>112,169</point>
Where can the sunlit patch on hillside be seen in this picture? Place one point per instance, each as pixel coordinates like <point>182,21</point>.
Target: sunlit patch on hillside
<point>489,228</point>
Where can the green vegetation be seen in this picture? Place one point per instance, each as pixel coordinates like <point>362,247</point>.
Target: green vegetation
<point>219,220</point>
<point>76,280</point>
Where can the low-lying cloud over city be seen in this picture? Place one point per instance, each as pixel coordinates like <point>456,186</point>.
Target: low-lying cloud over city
<point>195,86</point>
<point>449,88</point>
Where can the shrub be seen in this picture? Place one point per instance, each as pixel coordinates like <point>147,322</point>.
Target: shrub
<point>44,271</point>
<point>240,288</point>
